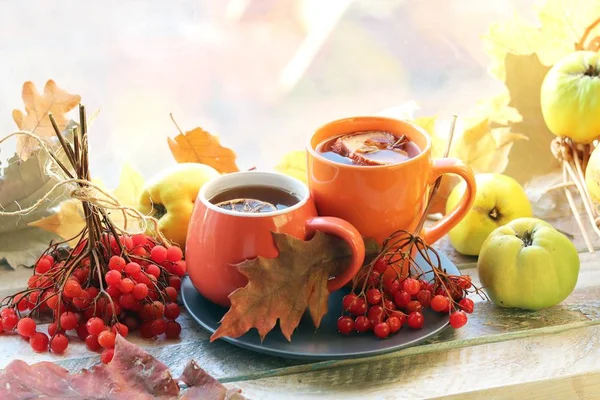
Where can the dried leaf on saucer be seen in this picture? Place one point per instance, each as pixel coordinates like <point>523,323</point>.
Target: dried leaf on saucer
<point>35,119</point>
<point>200,146</point>
<point>282,288</point>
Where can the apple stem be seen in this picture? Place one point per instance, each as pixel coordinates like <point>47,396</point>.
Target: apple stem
<point>527,238</point>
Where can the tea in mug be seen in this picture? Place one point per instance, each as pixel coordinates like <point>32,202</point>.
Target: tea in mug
<point>372,148</point>
<point>254,199</point>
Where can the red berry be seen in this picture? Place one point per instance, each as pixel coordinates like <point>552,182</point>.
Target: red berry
<point>389,305</point>
<point>39,342</point>
<point>92,291</point>
<point>133,270</point>
<point>359,307</point>
<point>91,341</point>
<point>116,263</point>
<point>458,319</point>
<point>127,301</point>
<point>413,306</point>
<point>345,325</point>
<point>381,330</point>
<point>173,329</point>
<point>139,291</point>
<point>158,326</point>
<point>81,330</point>
<point>179,268</point>
<point>400,315</point>
<point>158,254</point>
<point>362,324</point>
<point>394,323</point>
<point>380,266</point>
<point>32,299</point>
<point>94,326</point>
<point>26,327</point>
<point>373,296</point>
<point>139,252</point>
<point>466,305</point>
<point>440,303</point>
<point>126,285</point>
<point>411,286</point>
<point>392,287</point>
<point>7,311</point>
<point>172,311</point>
<point>348,301</point>
<point>106,339</point>
<point>49,258</point>
<point>415,320</point>
<point>72,288</point>
<point>120,328</point>
<point>424,297</point>
<point>464,282</point>
<point>10,321</point>
<point>43,266</point>
<point>375,314</point>
<point>68,320</point>
<point>374,279</point>
<point>175,282</point>
<point>59,343</point>
<point>174,254</point>
<point>53,329</point>
<point>22,303</point>
<point>113,291</point>
<point>153,270</point>
<point>402,299</point>
<point>107,356</point>
<point>171,293</point>
<point>112,278</point>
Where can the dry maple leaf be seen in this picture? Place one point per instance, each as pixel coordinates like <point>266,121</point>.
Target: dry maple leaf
<point>284,287</point>
<point>199,146</point>
<point>37,106</point>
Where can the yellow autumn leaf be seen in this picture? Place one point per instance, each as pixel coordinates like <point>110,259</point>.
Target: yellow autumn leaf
<point>485,149</point>
<point>199,146</point>
<point>37,107</point>
<point>294,164</point>
<point>68,221</point>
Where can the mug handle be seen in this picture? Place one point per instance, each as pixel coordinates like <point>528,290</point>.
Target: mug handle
<point>351,236</point>
<point>441,167</point>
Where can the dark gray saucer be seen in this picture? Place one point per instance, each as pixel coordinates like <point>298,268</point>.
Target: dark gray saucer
<point>324,343</point>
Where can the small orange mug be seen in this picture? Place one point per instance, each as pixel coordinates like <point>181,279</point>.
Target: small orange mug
<point>218,238</point>
<point>379,200</point>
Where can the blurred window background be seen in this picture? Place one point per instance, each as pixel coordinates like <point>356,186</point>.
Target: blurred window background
<point>261,74</point>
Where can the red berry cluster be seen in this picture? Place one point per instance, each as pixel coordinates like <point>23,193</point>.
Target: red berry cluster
<point>134,286</point>
<point>384,305</point>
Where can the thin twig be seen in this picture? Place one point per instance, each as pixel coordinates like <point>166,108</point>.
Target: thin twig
<point>581,44</point>
<point>575,212</point>
<point>175,122</point>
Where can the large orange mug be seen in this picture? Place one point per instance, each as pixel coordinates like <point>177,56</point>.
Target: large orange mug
<point>219,238</point>
<point>379,200</point>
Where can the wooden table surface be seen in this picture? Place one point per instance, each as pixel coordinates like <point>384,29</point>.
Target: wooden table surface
<point>499,354</point>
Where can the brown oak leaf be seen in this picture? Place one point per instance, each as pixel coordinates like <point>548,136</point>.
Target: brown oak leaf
<point>37,106</point>
<point>284,287</point>
<point>200,146</point>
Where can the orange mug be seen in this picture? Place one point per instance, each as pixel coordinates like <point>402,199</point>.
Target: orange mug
<point>219,238</point>
<point>379,200</point>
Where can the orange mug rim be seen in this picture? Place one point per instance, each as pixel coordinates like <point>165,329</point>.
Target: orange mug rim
<point>210,206</point>
<point>373,118</point>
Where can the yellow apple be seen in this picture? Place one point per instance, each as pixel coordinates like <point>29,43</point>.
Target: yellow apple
<point>499,200</point>
<point>170,195</point>
<point>528,264</point>
<point>570,97</point>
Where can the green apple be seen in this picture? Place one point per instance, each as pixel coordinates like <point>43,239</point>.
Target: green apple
<point>499,200</point>
<point>528,264</point>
